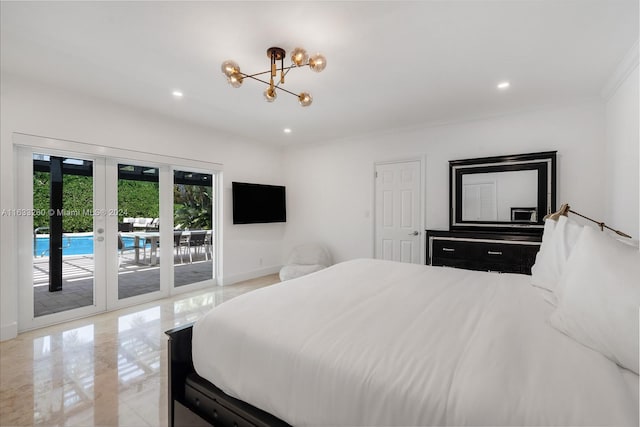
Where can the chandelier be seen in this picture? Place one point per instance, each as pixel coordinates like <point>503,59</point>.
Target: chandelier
<point>299,58</point>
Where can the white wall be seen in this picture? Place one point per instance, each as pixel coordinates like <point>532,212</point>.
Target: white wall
<point>27,107</point>
<point>622,156</point>
<point>330,187</point>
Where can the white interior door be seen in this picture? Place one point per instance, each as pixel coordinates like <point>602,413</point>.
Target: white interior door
<point>398,211</point>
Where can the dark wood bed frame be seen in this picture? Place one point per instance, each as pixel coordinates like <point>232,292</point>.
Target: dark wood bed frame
<point>187,388</point>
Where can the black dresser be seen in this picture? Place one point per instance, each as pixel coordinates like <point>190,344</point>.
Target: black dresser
<point>485,251</point>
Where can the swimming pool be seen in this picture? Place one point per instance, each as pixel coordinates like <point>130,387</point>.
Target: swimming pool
<point>72,244</point>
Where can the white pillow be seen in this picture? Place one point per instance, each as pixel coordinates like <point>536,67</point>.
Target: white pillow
<point>558,240</point>
<point>538,269</point>
<point>599,297</point>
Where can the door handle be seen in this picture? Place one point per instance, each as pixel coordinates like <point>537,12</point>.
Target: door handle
<point>415,233</point>
<point>494,252</point>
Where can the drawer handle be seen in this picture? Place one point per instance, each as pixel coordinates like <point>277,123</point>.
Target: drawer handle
<point>494,252</point>
<point>448,250</point>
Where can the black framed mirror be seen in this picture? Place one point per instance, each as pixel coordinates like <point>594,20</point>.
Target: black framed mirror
<point>503,193</point>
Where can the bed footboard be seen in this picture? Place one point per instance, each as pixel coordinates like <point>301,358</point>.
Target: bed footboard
<point>201,397</point>
<point>180,365</point>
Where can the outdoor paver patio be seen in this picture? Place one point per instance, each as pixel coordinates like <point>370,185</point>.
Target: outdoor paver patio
<point>133,279</point>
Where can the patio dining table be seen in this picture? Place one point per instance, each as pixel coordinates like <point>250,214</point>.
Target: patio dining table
<point>142,238</point>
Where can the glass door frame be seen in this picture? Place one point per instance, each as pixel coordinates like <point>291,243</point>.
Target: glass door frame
<point>24,181</point>
<point>113,302</point>
<point>25,143</point>
<point>216,223</point>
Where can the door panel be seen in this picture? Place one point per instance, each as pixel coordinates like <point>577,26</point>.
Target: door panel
<point>138,230</point>
<point>59,272</point>
<point>398,211</point>
<point>63,258</point>
<point>194,233</point>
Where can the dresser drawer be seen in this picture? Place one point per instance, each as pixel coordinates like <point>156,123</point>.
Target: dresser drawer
<point>483,254</point>
<point>496,253</point>
<point>450,249</point>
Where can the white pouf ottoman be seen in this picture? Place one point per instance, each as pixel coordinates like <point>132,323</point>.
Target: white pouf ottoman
<point>305,259</point>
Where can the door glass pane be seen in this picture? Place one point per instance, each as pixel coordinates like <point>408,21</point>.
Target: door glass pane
<point>63,260</point>
<point>138,230</point>
<point>193,234</point>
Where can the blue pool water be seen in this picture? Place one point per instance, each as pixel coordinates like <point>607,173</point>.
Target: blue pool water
<point>72,245</point>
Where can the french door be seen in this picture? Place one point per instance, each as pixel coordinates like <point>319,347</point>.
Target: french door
<point>97,233</point>
<point>62,233</point>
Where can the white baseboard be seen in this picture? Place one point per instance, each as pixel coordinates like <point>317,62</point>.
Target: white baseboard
<point>235,278</point>
<point>8,332</point>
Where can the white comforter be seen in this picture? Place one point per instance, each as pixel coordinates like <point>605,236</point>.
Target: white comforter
<point>370,342</point>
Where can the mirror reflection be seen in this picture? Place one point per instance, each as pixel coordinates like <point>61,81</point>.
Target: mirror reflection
<point>509,193</point>
<point>506,196</point>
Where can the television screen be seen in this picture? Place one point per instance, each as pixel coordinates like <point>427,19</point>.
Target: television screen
<point>256,203</point>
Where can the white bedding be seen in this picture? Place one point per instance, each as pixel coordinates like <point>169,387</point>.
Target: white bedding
<point>370,342</point>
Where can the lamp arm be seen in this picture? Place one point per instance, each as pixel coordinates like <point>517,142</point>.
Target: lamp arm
<point>600,224</point>
<point>566,208</point>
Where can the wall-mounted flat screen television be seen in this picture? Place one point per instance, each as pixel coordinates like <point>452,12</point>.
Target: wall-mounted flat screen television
<point>257,203</point>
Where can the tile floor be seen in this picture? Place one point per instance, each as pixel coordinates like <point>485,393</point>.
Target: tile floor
<point>105,370</point>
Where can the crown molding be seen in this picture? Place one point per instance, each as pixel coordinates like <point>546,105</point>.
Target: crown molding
<point>622,71</point>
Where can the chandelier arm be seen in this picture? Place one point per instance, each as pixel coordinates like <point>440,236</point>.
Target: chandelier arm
<point>268,84</point>
<point>256,74</point>
<point>288,91</point>
<point>294,66</point>
<point>279,69</point>
<point>285,74</point>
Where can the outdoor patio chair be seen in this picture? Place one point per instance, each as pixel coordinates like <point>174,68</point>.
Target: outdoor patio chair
<point>153,225</point>
<point>122,248</point>
<point>125,226</point>
<point>208,244</point>
<point>142,222</point>
<point>196,241</point>
<point>177,238</point>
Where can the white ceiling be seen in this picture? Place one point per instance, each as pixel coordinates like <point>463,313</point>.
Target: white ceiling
<point>391,64</point>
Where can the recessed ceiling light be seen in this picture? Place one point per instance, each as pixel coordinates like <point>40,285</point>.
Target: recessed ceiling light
<point>503,85</point>
<point>178,94</point>
<point>287,130</point>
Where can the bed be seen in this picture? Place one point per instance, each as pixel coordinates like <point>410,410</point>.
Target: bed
<point>371,342</point>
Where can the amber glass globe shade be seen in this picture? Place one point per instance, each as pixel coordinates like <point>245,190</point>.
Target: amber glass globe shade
<point>230,67</point>
<point>317,63</point>
<point>270,95</point>
<point>235,79</point>
<point>299,57</point>
<point>305,99</point>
